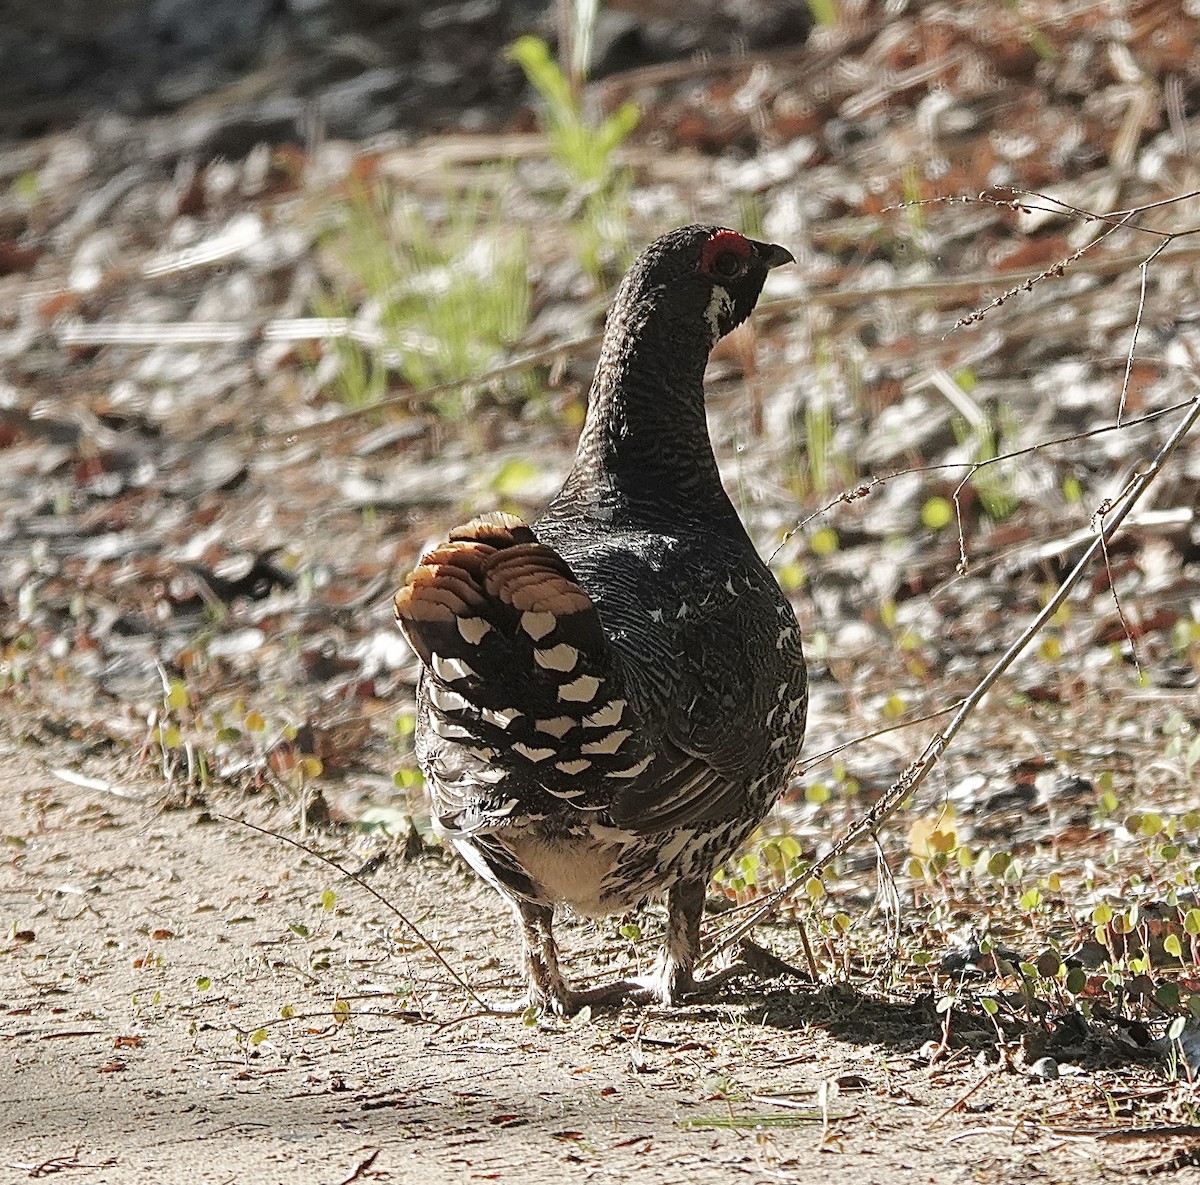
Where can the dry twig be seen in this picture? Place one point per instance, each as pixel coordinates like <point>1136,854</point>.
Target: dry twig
<point>362,884</point>
<point>1114,514</point>
<point>1108,520</point>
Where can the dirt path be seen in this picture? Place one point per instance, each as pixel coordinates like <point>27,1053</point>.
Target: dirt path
<point>148,956</point>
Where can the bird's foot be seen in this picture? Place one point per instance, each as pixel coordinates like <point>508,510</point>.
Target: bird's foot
<point>656,988</point>
<point>683,988</point>
<point>671,986</point>
<point>566,1002</point>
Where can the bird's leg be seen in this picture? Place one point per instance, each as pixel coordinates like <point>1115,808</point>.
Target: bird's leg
<point>672,981</point>
<point>672,978</point>
<point>539,958</point>
<point>547,989</point>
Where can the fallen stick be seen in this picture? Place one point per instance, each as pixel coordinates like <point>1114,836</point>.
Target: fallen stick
<point>919,770</point>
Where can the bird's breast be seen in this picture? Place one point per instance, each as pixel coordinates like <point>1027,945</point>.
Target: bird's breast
<point>577,870</point>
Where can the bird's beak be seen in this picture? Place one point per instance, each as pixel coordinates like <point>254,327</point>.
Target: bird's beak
<point>773,255</point>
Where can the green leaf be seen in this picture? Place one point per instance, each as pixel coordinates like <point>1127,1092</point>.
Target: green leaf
<point>26,186</point>
<point>617,127</point>
<point>824,12</point>
<point>407,778</point>
<point>515,477</point>
<point>1051,649</point>
<point>1047,964</point>
<point>790,576</point>
<point>823,542</point>
<point>532,54</point>
<point>937,513</point>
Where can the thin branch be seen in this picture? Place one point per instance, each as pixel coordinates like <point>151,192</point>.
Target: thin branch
<point>829,754</point>
<point>1143,267</point>
<point>867,487</point>
<point>916,773</point>
<point>1112,588</point>
<point>362,884</point>
<point>839,297</point>
<point>1063,207</point>
<point>1116,219</point>
<point>1055,269</point>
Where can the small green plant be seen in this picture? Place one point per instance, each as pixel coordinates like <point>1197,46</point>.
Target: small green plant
<point>443,299</point>
<point>818,436</point>
<point>585,150</point>
<point>1036,39</point>
<point>1182,749</point>
<point>770,862</point>
<point>993,485</point>
<point>822,464</point>
<point>181,759</point>
<point>824,12</point>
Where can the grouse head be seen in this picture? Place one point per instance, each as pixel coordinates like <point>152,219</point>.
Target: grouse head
<point>697,281</point>
<point>644,450</point>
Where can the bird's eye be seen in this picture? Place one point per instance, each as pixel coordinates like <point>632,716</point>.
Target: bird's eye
<point>726,264</point>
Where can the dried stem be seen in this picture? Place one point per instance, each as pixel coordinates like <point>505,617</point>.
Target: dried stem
<point>362,884</point>
<point>917,772</point>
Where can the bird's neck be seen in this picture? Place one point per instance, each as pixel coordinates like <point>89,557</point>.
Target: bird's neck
<point>644,452</point>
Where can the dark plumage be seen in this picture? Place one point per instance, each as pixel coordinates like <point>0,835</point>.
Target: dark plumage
<point>612,700</point>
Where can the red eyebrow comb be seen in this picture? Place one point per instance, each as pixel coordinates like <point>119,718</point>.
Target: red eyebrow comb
<point>723,240</point>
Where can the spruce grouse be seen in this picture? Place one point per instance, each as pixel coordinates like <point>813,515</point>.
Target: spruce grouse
<point>612,699</point>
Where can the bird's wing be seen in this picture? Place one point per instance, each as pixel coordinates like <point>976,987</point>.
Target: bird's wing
<point>726,725</point>
<point>521,707</point>
<point>678,789</point>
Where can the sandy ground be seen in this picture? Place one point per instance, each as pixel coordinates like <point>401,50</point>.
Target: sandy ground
<point>150,958</point>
